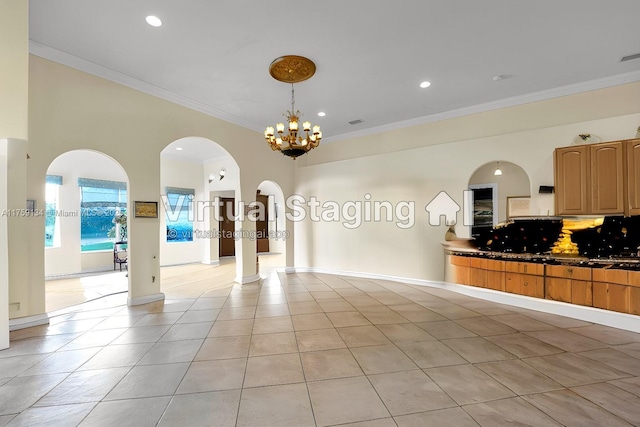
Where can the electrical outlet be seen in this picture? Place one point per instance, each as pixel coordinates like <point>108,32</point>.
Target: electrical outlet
<point>153,279</point>
<point>14,306</point>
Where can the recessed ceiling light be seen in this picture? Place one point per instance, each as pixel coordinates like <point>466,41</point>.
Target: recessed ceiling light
<point>425,84</point>
<point>154,21</point>
<point>322,114</point>
<point>179,148</point>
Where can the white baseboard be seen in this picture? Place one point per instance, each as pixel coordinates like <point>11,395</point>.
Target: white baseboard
<point>145,299</point>
<point>213,262</point>
<point>290,270</point>
<point>247,279</point>
<point>28,321</point>
<point>628,322</point>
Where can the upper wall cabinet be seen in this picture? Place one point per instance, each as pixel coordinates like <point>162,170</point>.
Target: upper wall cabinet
<point>633,176</point>
<point>598,179</point>
<point>607,178</point>
<point>571,180</point>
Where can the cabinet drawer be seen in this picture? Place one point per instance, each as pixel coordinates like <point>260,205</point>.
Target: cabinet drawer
<point>569,272</point>
<point>524,268</point>
<point>634,278</point>
<point>462,261</point>
<point>495,265</point>
<point>479,263</point>
<point>610,275</point>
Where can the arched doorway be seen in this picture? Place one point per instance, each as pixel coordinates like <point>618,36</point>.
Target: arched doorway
<point>271,229</point>
<point>85,215</point>
<point>492,184</point>
<point>198,178</point>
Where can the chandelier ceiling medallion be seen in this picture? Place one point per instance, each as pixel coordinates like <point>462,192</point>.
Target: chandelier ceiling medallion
<point>292,142</point>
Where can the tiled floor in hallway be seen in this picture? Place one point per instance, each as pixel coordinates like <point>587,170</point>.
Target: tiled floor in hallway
<point>317,350</point>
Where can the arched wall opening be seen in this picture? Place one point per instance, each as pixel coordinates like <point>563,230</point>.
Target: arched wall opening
<point>196,174</point>
<point>272,233</point>
<point>492,185</point>
<point>86,208</point>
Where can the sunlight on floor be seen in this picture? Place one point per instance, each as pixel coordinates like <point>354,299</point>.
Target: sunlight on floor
<point>182,281</point>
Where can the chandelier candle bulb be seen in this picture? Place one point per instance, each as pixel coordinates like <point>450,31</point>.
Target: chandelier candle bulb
<point>293,126</point>
<point>280,127</point>
<point>306,126</point>
<point>316,129</point>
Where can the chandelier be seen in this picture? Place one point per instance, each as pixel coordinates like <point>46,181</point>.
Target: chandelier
<point>291,140</point>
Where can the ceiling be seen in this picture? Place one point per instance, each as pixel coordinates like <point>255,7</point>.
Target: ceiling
<point>371,56</point>
<point>194,149</point>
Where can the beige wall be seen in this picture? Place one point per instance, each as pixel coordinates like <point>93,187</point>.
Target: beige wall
<point>14,48</point>
<point>72,110</point>
<point>418,175</point>
<point>4,252</point>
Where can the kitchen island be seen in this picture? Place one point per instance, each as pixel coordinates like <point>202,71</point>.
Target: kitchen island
<point>608,283</point>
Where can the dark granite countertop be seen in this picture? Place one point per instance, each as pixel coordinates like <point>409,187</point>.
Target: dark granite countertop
<point>626,263</point>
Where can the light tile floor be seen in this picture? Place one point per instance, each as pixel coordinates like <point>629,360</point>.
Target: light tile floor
<point>316,350</point>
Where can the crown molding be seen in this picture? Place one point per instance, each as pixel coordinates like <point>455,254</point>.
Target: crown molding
<point>55,55</point>
<point>52,54</point>
<point>513,101</point>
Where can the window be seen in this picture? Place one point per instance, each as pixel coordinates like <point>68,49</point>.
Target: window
<point>101,203</point>
<point>178,206</point>
<point>51,223</point>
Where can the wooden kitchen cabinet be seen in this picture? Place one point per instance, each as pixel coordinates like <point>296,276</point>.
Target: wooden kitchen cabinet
<point>611,296</point>
<point>634,300</point>
<point>611,289</point>
<point>461,269</point>
<point>598,179</point>
<point>633,176</point>
<point>525,284</point>
<point>607,178</point>
<point>571,175</point>
<point>569,284</point>
<point>478,272</point>
<point>495,275</point>
<point>525,278</point>
<point>601,287</point>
